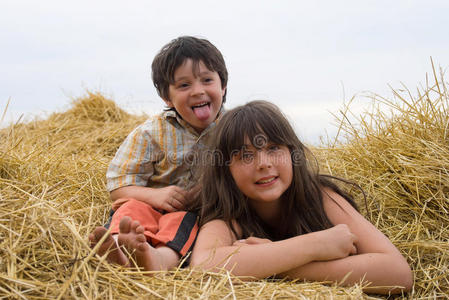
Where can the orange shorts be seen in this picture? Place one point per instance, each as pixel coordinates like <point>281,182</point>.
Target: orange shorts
<point>176,230</point>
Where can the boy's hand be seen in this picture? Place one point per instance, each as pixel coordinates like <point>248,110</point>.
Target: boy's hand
<point>193,193</point>
<point>169,199</point>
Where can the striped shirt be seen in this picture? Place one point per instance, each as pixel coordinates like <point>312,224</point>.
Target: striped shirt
<point>158,153</point>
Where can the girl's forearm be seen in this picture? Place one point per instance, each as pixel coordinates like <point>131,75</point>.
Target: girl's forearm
<point>378,272</point>
<point>267,259</point>
<point>261,260</point>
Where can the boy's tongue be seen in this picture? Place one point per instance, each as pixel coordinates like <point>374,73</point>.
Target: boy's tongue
<point>202,112</point>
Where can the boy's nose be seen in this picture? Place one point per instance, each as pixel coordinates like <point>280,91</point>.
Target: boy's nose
<point>197,89</point>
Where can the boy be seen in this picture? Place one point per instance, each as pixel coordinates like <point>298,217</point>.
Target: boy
<point>150,173</point>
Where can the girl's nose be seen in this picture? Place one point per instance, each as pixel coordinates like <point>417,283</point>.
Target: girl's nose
<point>263,160</point>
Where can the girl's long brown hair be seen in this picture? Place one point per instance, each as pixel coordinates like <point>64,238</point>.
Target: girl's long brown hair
<point>302,203</point>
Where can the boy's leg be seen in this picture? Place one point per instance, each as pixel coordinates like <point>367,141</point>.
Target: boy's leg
<point>172,234</point>
<point>178,231</point>
<point>147,257</point>
<point>109,246</point>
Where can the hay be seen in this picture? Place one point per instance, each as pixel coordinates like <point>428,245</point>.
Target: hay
<point>401,159</point>
<point>52,195</point>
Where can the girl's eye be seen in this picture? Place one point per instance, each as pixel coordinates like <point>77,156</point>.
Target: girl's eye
<point>273,148</point>
<point>247,156</point>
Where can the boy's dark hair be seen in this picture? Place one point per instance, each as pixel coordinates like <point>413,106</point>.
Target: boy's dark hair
<point>174,54</point>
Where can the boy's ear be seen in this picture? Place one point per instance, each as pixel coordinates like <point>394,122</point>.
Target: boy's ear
<point>168,103</point>
<point>223,91</point>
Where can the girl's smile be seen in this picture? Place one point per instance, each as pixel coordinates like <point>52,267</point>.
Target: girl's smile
<point>266,181</point>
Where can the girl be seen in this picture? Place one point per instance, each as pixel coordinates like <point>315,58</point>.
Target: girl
<point>265,212</point>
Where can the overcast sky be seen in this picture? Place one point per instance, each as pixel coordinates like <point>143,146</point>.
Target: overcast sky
<point>305,56</point>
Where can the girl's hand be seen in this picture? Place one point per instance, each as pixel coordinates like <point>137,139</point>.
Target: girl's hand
<point>337,242</point>
<point>251,241</point>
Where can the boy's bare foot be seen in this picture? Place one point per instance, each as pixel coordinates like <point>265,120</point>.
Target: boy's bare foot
<point>147,257</point>
<point>109,246</point>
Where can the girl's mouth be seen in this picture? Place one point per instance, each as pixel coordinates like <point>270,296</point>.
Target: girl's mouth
<point>266,180</point>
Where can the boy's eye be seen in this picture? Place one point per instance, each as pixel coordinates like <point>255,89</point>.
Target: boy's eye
<point>207,79</point>
<point>182,85</point>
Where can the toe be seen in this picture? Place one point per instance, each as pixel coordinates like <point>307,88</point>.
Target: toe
<point>124,225</point>
<point>98,233</point>
<point>140,229</point>
<point>141,238</point>
<point>92,240</point>
<point>134,225</point>
<point>142,246</point>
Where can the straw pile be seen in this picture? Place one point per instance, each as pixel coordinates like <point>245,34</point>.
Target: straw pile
<point>52,195</point>
<point>398,151</point>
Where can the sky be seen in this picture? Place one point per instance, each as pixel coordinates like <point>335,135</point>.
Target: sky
<point>308,57</point>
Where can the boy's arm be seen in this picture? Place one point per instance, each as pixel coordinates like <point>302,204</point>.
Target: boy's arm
<point>215,249</point>
<point>131,169</point>
<point>169,199</point>
<point>377,262</point>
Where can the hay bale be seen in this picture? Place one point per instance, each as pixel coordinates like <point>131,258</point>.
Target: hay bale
<point>52,195</point>
<point>401,159</point>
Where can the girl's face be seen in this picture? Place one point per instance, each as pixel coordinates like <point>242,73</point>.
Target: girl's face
<point>262,174</point>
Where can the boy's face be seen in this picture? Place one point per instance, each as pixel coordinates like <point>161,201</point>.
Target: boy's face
<point>196,97</point>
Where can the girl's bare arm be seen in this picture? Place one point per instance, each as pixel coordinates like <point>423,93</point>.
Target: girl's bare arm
<point>214,250</point>
<point>377,263</point>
